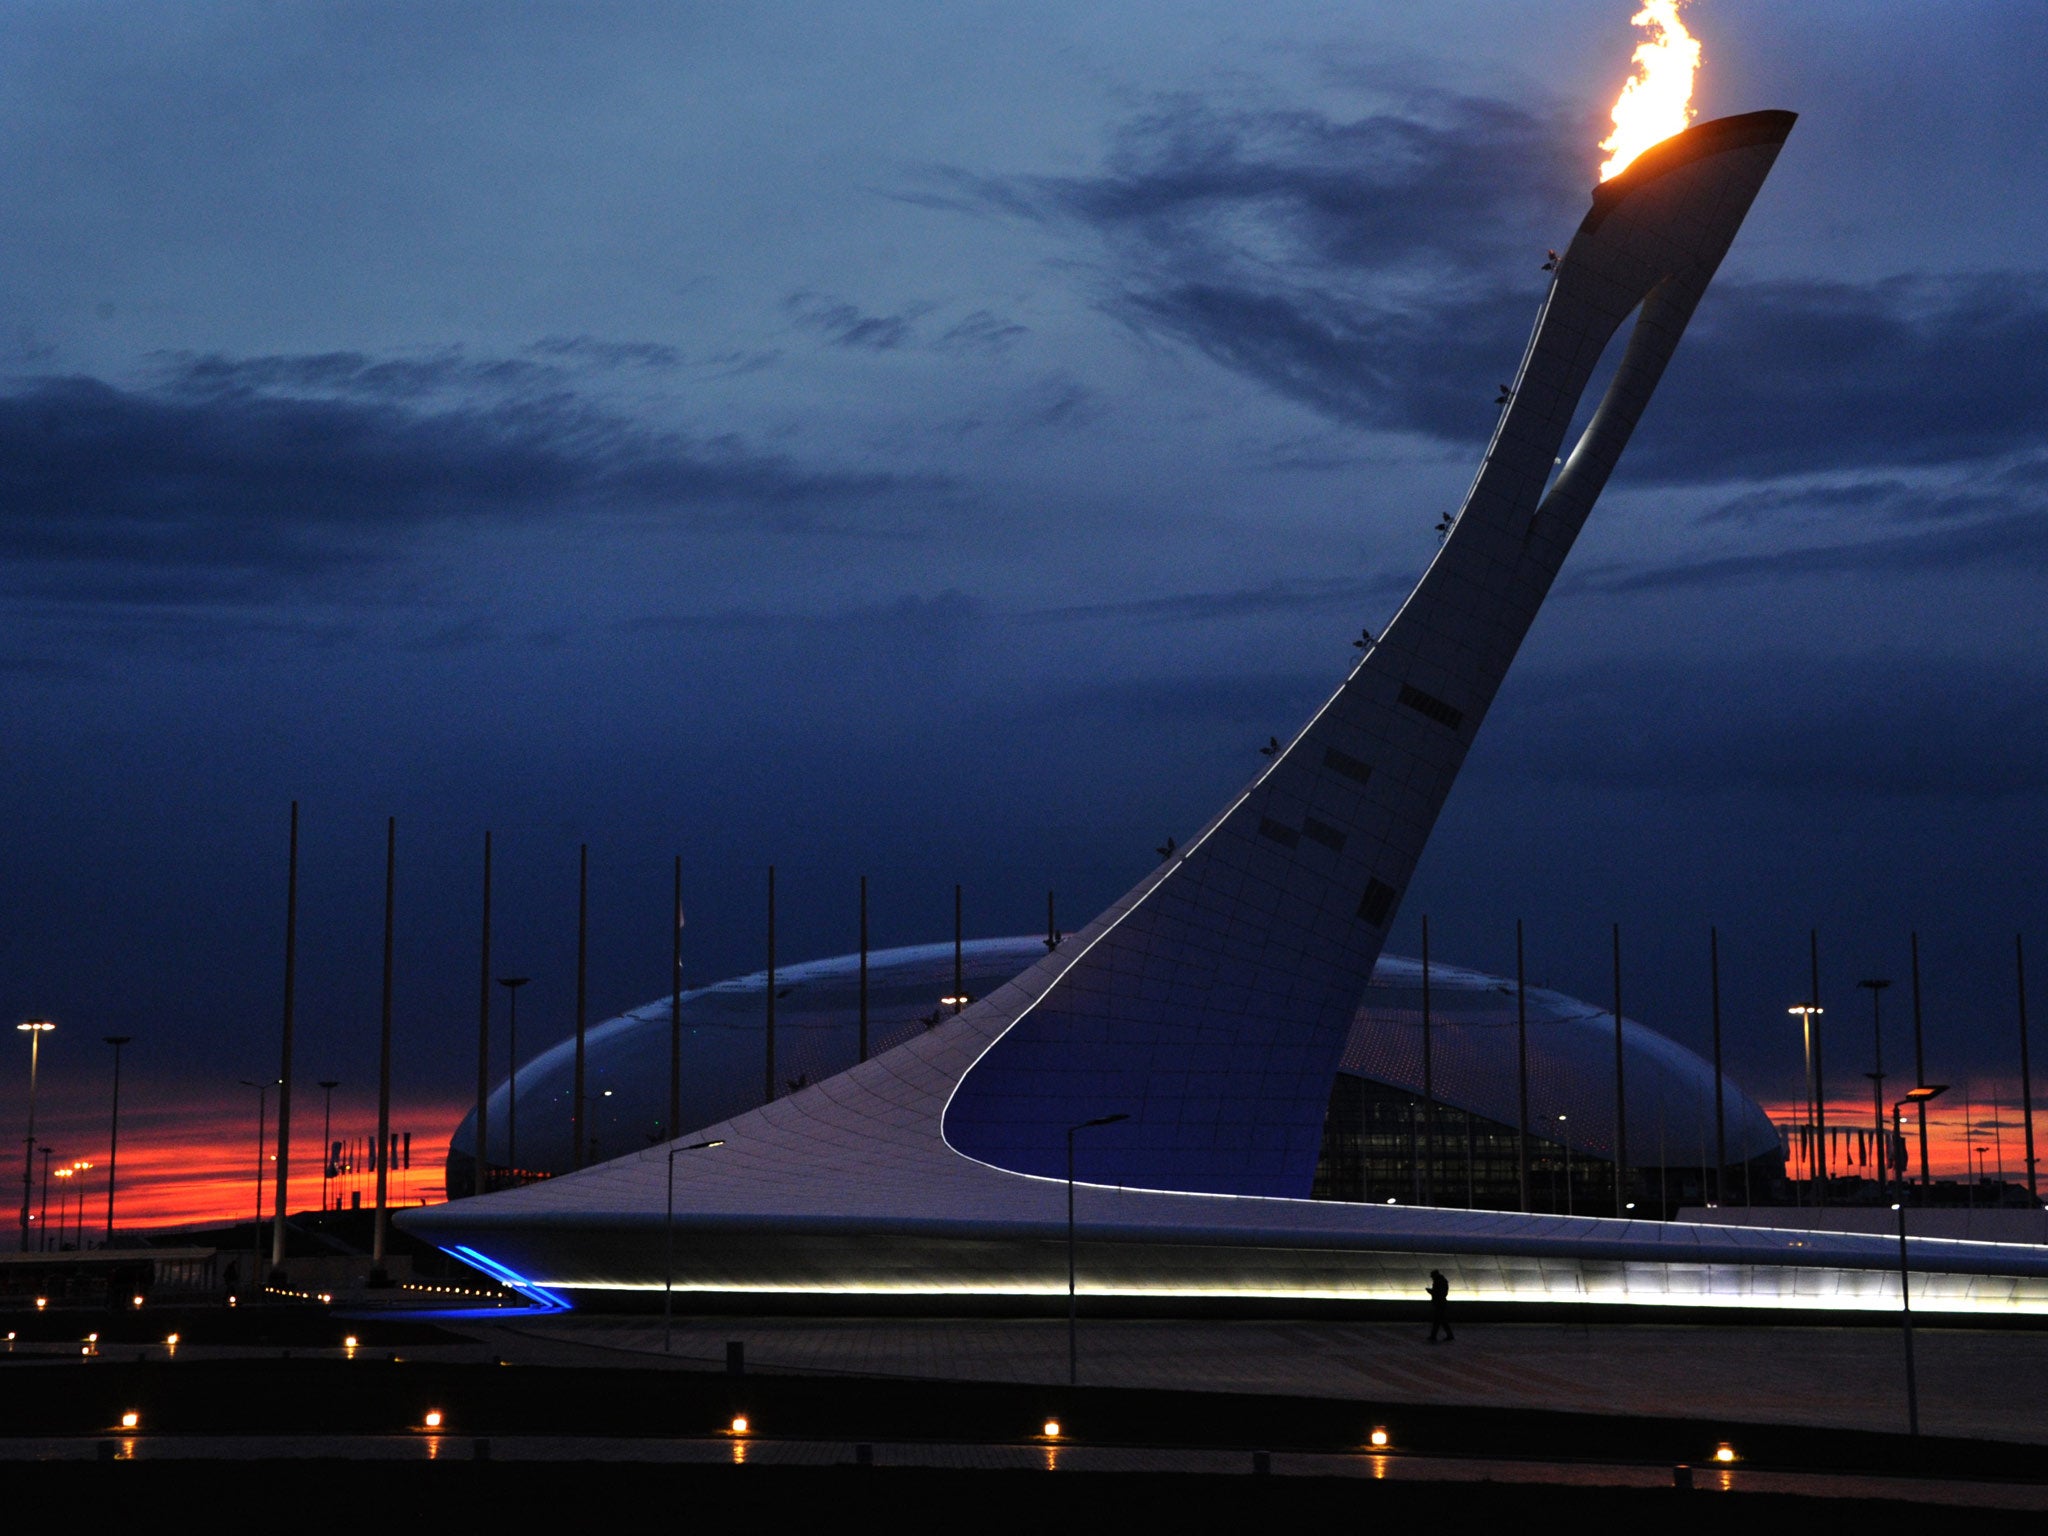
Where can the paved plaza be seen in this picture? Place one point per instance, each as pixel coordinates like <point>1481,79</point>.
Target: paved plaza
<point>1973,1383</point>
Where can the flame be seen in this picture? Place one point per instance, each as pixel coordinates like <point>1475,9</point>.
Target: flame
<point>1656,102</point>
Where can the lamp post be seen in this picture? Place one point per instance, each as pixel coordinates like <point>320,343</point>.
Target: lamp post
<point>1073,1324</point>
<point>79,1170</point>
<point>44,1213</point>
<point>1920,1096</point>
<point>512,984</point>
<point>262,1128</point>
<point>1806,1014</point>
<point>327,1086</point>
<point>35,1029</point>
<point>64,1176</point>
<point>668,1284</point>
<point>1876,988</point>
<point>114,1132</point>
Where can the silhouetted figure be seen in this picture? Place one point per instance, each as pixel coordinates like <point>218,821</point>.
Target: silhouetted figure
<point>1164,850</point>
<point>1363,642</point>
<point>1271,748</point>
<point>1551,265</point>
<point>1439,1306</point>
<point>1506,395</point>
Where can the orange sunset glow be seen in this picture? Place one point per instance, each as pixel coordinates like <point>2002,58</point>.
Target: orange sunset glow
<point>195,1160</point>
<point>1972,1126</point>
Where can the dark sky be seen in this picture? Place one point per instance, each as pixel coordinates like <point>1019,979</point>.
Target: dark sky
<point>944,442</point>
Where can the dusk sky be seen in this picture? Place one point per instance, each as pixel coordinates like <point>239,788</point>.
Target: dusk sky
<point>943,442</point>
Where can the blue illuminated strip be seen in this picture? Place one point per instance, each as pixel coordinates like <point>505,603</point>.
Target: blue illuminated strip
<point>511,1277</point>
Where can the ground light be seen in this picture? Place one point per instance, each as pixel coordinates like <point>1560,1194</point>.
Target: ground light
<point>740,1424</point>
<point>171,1340</point>
<point>42,1302</point>
<point>349,1342</point>
<point>1051,1429</point>
<point>1724,1453</point>
<point>1379,1437</point>
<point>131,1420</point>
<point>433,1418</point>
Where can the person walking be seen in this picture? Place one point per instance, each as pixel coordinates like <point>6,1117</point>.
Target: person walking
<point>1439,1307</point>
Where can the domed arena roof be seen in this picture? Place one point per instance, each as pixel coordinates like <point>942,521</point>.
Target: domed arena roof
<point>1473,1049</point>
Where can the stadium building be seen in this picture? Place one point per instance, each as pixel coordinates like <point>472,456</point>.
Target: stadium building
<point>1148,1106</point>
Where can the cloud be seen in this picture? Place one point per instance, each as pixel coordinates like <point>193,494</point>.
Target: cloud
<point>1288,596</point>
<point>1787,378</point>
<point>982,331</point>
<point>847,325</point>
<point>1886,526</point>
<point>608,354</point>
<point>240,480</point>
<point>1786,726</point>
<point>1383,270</point>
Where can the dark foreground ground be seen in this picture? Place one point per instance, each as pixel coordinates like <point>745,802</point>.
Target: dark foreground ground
<point>543,1423</point>
<point>327,1495</point>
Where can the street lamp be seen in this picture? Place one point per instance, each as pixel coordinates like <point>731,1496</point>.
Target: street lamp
<point>262,1126</point>
<point>327,1085</point>
<point>35,1029</point>
<point>79,1170</point>
<point>668,1284</point>
<point>1876,988</point>
<point>1073,1326</point>
<point>63,1196</point>
<point>512,984</point>
<point>1919,1096</point>
<point>114,1135</point>
<point>44,1213</point>
<point>1561,1120</point>
<point>1816,1115</point>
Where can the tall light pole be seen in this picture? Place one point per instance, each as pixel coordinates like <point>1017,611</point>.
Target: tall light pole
<point>35,1029</point>
<point>79,1170</point>
<point>327,1086</point>
<point>1876,986</point>
<point>1806,1013</point>
<point>2019,955</point>
<point>114,1132</point>
<point>582,996</point>
<point>1563,1130</point>
<point>481,1181</point>
<point>862,1041</point>
<point>284,1069</point>
<point>41,1217</point>
<point>1919,1072</point>
<point>1620,1093</point>
<point>1920,1096</point>
<point>768,1080</point>
<point>1720,1113</point>
<point>1521,1074</point>
<point>382,1162</point>
<point>1820,1070</point>
<point>512,984</point>
<point>1073,1309</point>
<point>1428,1158</point>
<point>675,1012</point>
<point>262,1132</point>
<point>64,1176</point>
<point>668,1284</point>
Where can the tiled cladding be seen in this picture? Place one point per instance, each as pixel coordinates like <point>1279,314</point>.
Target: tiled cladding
<point>1288,893</point>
